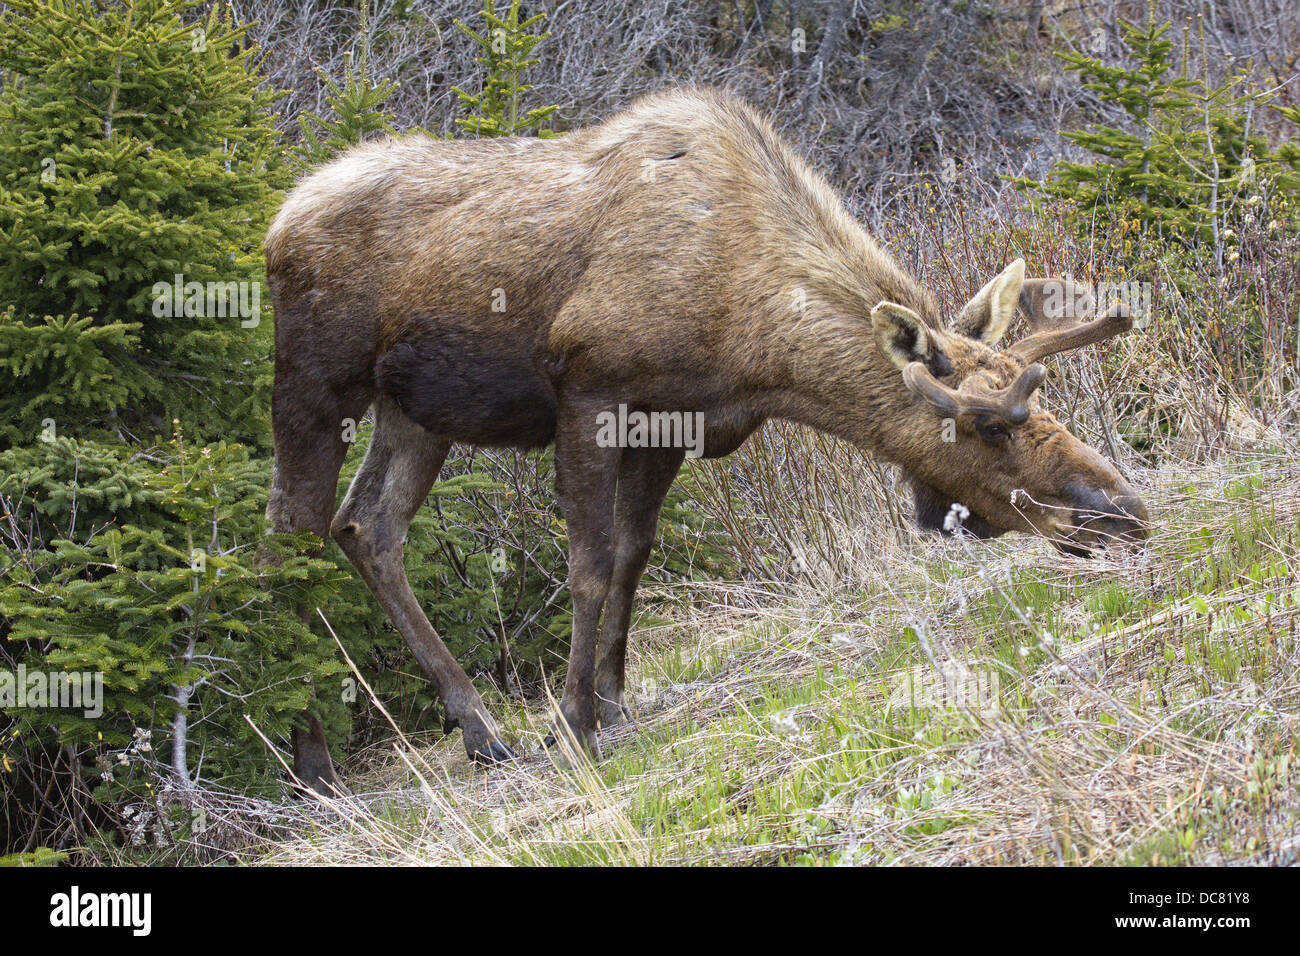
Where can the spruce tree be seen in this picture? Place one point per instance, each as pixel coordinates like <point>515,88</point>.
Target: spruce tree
<point>1186,157</point>
<point>137,144</point>
<point>356,105</point>
<point>506,45</point>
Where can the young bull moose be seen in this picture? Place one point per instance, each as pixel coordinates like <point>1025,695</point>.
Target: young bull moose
<point>679,257</point>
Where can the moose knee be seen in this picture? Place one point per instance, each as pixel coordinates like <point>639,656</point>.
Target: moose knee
<point>344,529</point>
<point>590,575</point>
<point>368,533</point>
<point>347,533</point>
<point>354,533</point>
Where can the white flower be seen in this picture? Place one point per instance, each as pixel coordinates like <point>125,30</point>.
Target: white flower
<point>955,516</point>
<point>784,724</point>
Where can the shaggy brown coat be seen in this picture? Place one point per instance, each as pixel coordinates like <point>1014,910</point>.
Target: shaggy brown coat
<point>677,257</point>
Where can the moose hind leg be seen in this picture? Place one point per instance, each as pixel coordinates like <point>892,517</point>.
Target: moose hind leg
<point>309,451</point>
<point>399,469</point>
<point>302,499</point>
<point>644,477</point>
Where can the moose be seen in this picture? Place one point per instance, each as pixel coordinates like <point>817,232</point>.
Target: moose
<point>678,257</point>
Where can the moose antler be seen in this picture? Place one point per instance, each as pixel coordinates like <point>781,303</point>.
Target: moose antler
<point>1072,336</point>
<point>972,397</point>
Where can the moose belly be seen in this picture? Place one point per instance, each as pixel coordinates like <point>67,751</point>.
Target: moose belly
<point>471,388</point>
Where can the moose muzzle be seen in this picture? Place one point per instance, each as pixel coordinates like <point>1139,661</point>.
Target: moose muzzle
<point>1101,517</point>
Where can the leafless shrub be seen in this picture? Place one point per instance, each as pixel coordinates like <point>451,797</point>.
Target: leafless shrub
<point>870,89</point>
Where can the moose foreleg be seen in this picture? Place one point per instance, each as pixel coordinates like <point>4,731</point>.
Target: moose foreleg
<point>644,477</point>
<point>585,478</point>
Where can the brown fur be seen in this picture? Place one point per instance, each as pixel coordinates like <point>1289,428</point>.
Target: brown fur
<point>677,257</point>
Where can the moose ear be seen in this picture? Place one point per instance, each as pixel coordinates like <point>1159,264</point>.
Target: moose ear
<point>987,316</point>
<point>904,337</point>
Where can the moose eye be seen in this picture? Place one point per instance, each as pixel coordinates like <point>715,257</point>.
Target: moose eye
<point>992,432</point>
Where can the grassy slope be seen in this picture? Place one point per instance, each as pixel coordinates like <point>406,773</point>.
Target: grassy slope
<point>966,703</point>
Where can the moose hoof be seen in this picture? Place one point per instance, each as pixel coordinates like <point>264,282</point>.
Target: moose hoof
<point>322,786</point>
<point>611,713</point>
<point>493,752</point>
<point>567,742</point>
<point>482,744</point>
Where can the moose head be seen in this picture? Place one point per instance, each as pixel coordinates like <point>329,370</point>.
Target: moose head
<point>981,454</point>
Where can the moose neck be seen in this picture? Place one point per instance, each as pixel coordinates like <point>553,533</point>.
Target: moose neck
<point>823,363</point>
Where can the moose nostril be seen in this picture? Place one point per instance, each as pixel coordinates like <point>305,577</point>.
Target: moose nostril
<point>1129,519</point>
<point>1133,507</point>
<point>1108,514</point>
<point>1086,498</point>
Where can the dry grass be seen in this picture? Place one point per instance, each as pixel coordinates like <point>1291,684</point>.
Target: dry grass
<point>937,702</point>
<point>867,694</point>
